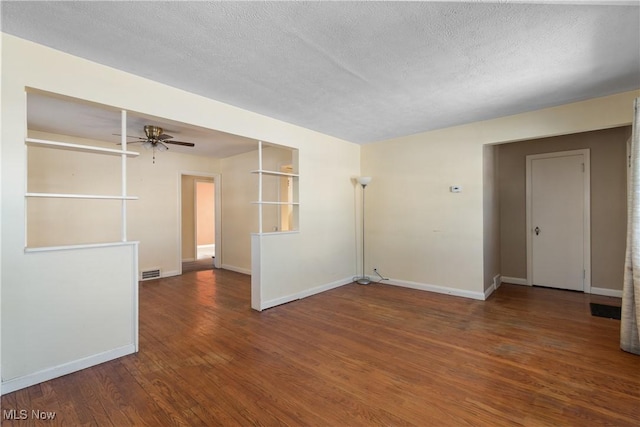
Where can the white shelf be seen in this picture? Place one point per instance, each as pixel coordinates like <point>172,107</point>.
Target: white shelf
<point>77,147</point>
<point>74,247</point>
<point>277,203</point>
<point>266,172</point>
<point>79,196</point>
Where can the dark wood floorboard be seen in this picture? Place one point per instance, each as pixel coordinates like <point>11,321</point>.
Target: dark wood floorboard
<point>353,356</point>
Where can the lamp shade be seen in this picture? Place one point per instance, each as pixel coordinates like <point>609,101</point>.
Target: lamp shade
<point>364,180</point>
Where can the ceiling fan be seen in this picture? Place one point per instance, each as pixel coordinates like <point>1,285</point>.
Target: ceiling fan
<point>156,139</point>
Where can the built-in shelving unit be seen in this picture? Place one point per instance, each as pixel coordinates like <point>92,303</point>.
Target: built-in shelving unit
<point>78,147</point>
<point>65,146</point>
<point>274,173</point>
<point>261,172</point>
<point>80,196</point>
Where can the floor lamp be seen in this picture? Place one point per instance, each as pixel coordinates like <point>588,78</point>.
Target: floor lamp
<point>363,180</point>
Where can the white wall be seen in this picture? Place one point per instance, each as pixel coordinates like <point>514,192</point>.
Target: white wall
<point>318,255</point>
<point>322,254</point>
<point>240,217</point>
<point>419,233</point>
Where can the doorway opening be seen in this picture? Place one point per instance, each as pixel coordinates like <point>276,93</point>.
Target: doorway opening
<point>200,222</point>
<point>205,227</point>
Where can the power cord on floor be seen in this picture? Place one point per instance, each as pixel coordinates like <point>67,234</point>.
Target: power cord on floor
<point>375,270</point>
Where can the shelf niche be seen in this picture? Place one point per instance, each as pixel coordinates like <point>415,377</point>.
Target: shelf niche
<point>278,205</point>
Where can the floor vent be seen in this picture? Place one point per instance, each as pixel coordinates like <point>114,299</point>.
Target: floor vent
<point>150,274</point>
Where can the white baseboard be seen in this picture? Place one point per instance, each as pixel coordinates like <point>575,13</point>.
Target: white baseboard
<point>497,281</point>
<point>606,292</point>
<point>494,286</point>
<point>437,289</point>
<point>513,280</point>
<point>236,269</point>
<point>306,293</point>
<point>491,289</point>
<point>64,369</point>
<point>170,273</point>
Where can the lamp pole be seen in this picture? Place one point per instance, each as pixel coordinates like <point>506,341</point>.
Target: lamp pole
<point>363,180</point>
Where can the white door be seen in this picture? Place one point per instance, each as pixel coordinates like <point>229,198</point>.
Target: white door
<point>558,220</point>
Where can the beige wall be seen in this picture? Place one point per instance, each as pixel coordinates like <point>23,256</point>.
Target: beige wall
<point>240,217</point>
<point>608,201</point>
<point>188,218</point>
<point>421,235</point>
<point>491,215</point>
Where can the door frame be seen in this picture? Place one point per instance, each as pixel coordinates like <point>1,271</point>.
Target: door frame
<point>217,188</point>
<point>586,228</point>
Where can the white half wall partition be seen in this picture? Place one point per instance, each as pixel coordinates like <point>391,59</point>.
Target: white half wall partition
<point>76,307</point>
<point>320,254</point>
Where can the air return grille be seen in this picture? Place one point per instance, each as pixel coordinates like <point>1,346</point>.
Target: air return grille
<point>150,274</point>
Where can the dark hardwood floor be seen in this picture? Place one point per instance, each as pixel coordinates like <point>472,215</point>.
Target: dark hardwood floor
<point>353,356</point>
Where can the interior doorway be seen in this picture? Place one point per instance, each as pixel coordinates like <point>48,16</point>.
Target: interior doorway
<point>205,243</point>
<point>200,235</point>
<point>558,220</point>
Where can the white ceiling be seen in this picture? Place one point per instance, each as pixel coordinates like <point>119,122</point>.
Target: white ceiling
<point>361,71</point>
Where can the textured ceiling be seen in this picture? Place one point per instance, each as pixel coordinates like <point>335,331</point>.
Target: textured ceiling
<point>361,71</point>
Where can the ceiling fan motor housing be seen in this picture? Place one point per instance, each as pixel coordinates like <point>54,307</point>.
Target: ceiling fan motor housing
<point>153,132</point>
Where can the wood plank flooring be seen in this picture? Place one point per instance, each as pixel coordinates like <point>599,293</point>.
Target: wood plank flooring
<point>373,355</point>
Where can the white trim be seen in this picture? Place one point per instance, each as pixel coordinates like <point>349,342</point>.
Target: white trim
<point>606,292</point>
<point>494,286</point>
<point>276,203</point>
<point>491,289</point>
<point>497,280</point>
<point>80,196</point>
<point>263,305</point>
<point>18,383</point>
<point>75,247</point>
<point>135,300</point>
<point>437,289</point>
<point>275,173</point>
<point>78,147</point>
<point>514,280</point>
<point>586,284</point>
<point>246,271</point>
<point>275,233</point>
<point>123,167</point>
<point>170,273</point>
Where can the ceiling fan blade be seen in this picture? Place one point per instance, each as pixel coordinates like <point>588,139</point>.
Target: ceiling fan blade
<point>164,136</point>
<point>186,144</point>
<point>129,136</point>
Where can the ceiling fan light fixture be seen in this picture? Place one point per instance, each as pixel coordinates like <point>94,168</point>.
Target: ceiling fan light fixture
<point>161,147</point>
<point>147,145</point>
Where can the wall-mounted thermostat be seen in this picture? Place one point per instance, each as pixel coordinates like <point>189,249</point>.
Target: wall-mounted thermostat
<point>455,189</point>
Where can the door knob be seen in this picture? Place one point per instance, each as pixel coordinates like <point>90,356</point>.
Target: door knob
<point>537,230</point>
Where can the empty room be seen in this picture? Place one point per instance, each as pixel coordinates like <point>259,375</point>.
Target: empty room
<point>320,213</point>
